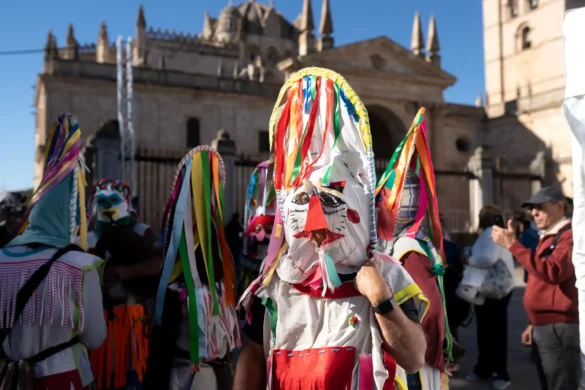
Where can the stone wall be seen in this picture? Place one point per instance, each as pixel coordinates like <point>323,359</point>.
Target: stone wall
<point>89,92</point>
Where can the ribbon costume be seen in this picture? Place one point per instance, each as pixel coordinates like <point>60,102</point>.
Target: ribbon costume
<point>319,331</point>
<point>64,311</point>
<point>196,322</point>
<point>122,241</point>
<point>406,201</point>
<point>259,220</point>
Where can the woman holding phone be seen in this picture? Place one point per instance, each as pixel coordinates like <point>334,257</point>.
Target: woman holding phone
<point>492,269</point>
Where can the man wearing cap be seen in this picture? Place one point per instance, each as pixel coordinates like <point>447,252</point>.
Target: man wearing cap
<point>551,296</point>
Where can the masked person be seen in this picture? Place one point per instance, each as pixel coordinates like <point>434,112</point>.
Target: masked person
<point>259,218</point>
<point>338,314</point>
<point>132,261</point>
<point>196,323</point>
<point>51,301</point>
<point>406,193</point>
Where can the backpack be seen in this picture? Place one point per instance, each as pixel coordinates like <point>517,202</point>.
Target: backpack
<point>18,375</point>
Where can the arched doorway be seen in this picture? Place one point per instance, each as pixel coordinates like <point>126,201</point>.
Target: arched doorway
<point>387,131</point>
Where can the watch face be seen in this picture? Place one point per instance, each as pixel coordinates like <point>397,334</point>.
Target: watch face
<point>384,307</point>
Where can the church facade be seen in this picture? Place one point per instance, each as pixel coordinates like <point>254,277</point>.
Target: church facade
<point>187,87</point>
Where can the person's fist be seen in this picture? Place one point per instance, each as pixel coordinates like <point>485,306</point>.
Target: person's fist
<point>504,237</point>
<point>527,336</point>
<point>370,283</point>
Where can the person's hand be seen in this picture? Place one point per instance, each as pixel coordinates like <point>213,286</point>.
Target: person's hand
<point>527,336</point>
<point>504,237</point>
<point>370,283</point>
<point>451,369</point>
<point>115,274</point>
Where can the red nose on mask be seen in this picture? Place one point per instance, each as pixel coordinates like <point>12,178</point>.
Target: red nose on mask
<point>315,216</point>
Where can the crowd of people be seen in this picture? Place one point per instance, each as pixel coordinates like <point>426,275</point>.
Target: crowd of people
<point>336,280</point>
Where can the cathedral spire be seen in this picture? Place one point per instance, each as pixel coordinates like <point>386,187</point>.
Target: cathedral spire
<point>433,46</point>
<point>207,30</point>
<point>71,41</point>
<point>307,23</point>
<point>51,47</point>
<point>103,35</point>
<point>326,27</point>
<point>417,41</point>
<point>141,20</point>
<point>103,44</point>
<point>306,26</point>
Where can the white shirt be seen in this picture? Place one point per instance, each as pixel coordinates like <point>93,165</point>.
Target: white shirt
<point>69,300</point>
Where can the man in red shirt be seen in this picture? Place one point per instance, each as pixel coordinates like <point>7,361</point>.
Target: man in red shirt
<point>551,296</point>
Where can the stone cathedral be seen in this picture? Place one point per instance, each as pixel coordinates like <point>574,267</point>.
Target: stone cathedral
<point>189,86</point>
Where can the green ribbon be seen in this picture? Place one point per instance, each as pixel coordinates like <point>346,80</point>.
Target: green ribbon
<point>394,158</point>
<point>272,314</point>
<point>448,350</point>
<point>336,128</point>
<point>207,197</point>
<point>193,320</point>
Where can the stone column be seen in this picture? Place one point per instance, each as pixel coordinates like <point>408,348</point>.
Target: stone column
<point>538,170</point>
<point>226,147</point>
<point>480,188</point>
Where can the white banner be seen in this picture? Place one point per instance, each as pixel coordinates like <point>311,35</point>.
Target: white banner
<point>574,112</point>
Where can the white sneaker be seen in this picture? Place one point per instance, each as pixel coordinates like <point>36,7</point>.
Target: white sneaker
<point>499,384</point>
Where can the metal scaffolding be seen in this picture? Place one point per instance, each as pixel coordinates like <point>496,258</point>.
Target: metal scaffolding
<point>126,110</point>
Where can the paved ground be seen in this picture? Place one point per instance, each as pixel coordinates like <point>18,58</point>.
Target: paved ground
<point>520,367</point>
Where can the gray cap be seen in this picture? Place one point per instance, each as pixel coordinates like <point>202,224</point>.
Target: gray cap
<point>545,195</point>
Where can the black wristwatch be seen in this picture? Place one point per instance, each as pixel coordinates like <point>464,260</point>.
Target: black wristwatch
<point>384,307</point>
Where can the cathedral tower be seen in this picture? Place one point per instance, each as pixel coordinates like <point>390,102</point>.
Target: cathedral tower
<point>525,83</point>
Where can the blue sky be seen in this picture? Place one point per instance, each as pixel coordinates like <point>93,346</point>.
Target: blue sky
<point>25,24</point>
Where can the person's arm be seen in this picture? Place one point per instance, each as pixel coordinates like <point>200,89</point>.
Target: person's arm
<point>251,368</point>
<point>555,269</point>
<point>403,338</point>
<point>94,330</point>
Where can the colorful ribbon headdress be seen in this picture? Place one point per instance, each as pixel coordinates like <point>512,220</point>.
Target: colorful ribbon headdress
<point>319,131</point>
<point>412,155</point>
<point>407,198</point>
<point>62,158</point>
<point>194,210</point>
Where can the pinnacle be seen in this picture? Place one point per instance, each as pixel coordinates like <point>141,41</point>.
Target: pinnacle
<point>307,23</point>
<point>326,26</point>
<point>417,40</point>
<point>433,46</point>
<point>141,20</point>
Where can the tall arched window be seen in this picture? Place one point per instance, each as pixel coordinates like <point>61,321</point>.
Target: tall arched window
<point>525,42</point>
<point>193,133</point>
<point>513,8</point>
<point>533,4</point>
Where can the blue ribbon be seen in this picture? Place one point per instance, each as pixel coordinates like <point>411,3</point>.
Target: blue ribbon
<point>173,244</point>
<point>307,82</point>
<point>349,105</point>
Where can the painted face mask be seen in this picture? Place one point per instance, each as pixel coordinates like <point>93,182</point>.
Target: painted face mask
<point>112,199</point>
<point>323,177</point>
<point>259,215</point>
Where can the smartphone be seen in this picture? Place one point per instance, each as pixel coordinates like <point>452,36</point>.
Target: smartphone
<point>499,221</point>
